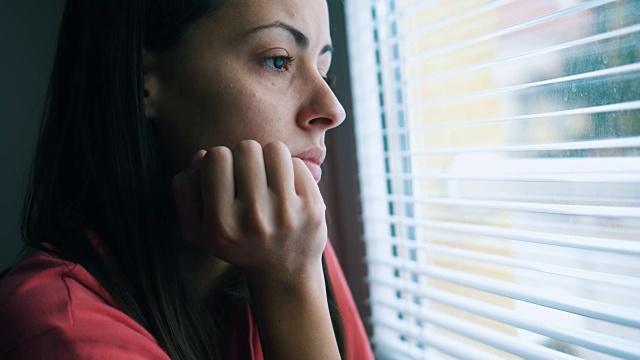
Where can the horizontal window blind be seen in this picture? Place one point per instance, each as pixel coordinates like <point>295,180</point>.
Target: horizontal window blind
<point>499,162</point>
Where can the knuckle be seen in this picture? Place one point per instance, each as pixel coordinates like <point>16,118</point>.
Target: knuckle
<point>288,223</point>
<point>260,231</point>
<point>251,217</point>
<point>277,148</point>
<point>258,223</point>
<point>224,230</point>
<point>248,147</point>
<point>254,213</point>
<point>317,211</point>
<point>217,155</point>
<point>220,229</point>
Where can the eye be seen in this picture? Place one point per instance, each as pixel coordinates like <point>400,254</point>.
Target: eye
<point>278,62</point>
<point>330,79</point>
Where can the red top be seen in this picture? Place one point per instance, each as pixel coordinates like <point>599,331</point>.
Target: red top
<point>53,309</point>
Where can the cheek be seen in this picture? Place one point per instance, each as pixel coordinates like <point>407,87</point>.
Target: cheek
<point>248,110</point>
<point>221,109</point>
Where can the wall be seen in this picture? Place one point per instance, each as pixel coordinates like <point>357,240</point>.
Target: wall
<point>28,31</point>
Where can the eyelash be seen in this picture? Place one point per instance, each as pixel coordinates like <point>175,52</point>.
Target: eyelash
<point>288,60</point>
<point>330,78</point>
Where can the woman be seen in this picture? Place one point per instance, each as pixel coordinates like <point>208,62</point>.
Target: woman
<point>173,211</point>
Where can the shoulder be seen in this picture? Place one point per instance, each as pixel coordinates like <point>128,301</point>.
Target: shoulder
<point>57,308</point>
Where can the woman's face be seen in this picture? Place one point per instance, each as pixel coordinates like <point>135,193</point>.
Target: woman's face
<point>251,70</point>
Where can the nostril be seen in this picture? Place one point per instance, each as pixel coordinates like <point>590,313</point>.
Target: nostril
<point>320,121</point>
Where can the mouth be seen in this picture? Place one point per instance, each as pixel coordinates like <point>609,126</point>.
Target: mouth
<point>313,159</point>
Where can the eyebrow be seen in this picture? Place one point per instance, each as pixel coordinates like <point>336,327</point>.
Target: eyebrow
<point>300,38</point>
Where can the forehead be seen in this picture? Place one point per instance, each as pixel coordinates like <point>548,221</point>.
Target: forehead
<point>311,17</point>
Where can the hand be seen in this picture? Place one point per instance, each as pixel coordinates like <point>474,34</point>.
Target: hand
<point>256,208</point>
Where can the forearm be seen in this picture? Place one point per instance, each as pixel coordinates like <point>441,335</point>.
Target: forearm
<point>294,321</point>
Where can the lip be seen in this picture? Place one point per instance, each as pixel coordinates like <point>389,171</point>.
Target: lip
<point>313,158</point>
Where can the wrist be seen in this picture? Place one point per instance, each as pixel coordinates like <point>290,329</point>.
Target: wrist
<point>293,315</point>
<point>299,285</point>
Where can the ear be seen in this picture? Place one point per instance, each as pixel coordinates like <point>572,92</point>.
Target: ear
<point>151,84</point>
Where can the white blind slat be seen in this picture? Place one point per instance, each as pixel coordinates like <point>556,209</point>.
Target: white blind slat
<point>543,254</point>
<point>441,343</point>
<point>631,178</point>
<point>629,142</point>
<point>421,5</point>
<point>574,241</point>
<point>589,339</point>
<point>630,30</point>
<point>539,198</point>
<point>506,31</point>
<point>420,80</point>
<point>491,337</point>
<point>593,309</point>
<point>592,110</point>
<point>580,210</point>
<point>604,75</point>
<point>624,281</point>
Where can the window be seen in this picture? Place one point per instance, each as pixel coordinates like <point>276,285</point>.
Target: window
<point>499,162</point>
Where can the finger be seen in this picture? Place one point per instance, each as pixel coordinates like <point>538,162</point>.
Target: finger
<point>186,192</point>
<point>279,168</point>
<point>217,181</point>
<point>305,184</point>
<point>249,170</point>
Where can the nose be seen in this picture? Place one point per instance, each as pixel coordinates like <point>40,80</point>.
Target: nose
<point>321,109</point>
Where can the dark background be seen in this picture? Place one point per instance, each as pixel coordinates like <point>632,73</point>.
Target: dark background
<point>28,32</point>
